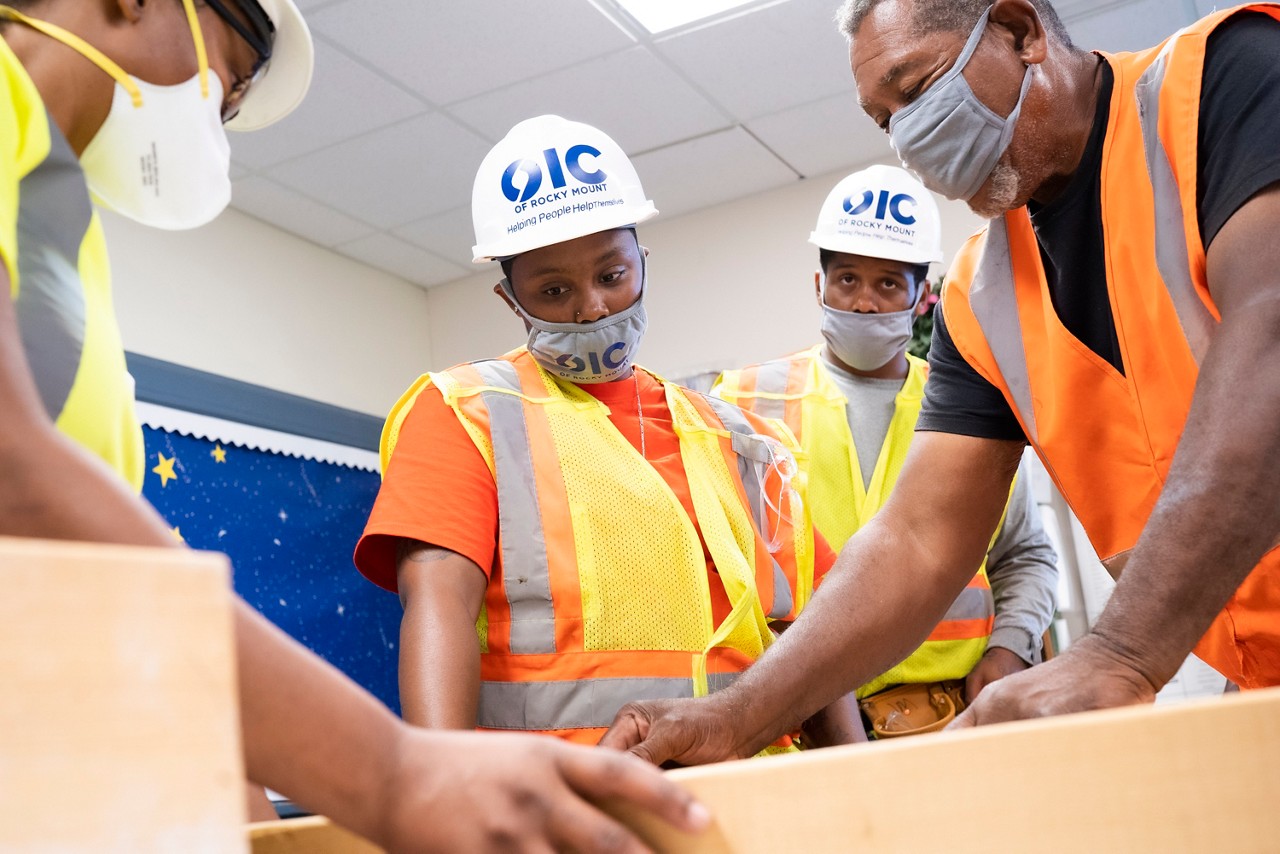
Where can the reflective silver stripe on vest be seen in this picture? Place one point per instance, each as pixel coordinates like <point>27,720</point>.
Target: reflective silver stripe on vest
<point>994,301</point>
<point>577,704</point>
<point>54,213</point>
<point>750,448</point>
<point>525,569</point>
<point>1171,239</point>
<point>973,603</point>
<point>771,377</point>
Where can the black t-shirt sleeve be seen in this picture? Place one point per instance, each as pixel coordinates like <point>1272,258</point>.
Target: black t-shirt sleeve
<point>1239,153</point>
<point>957,399</point>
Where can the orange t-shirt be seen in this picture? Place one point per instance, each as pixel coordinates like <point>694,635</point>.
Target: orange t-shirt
<point>438,489</point>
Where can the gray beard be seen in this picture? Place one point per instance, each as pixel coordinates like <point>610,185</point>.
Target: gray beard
<point>1005,184</point>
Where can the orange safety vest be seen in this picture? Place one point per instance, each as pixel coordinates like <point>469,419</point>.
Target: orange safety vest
<point>600,594</point>
<point>799,391</point>
<point>1106,439</point>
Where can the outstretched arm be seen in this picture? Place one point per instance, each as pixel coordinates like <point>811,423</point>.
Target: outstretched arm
<point>893,582</point>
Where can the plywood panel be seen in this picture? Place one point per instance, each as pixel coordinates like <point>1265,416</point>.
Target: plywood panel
<point>118,720</point>
<point>313,835</point>
<point>1202,776</point>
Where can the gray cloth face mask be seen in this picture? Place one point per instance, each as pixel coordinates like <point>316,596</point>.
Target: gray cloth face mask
<point>949,138</point>
<point>586,353</point>
<point>866,341</point>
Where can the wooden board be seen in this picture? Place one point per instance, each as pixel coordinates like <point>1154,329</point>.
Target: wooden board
<point>314,835</point>
<point>1201,776</point>
<point>118,723</point>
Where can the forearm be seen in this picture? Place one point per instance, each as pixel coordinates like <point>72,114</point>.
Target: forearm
<point>308,731</point>
<point>51,488</point>
<point>312,733</point>
<point>861,622</point>
<point>1219,511</point>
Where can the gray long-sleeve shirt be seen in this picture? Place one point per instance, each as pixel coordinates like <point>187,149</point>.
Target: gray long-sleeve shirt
<point>1022,565</point>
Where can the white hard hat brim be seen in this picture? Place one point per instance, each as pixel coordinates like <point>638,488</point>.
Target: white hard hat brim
<point>287,77</point>
<point>854,245</point>
<point>627,218</point>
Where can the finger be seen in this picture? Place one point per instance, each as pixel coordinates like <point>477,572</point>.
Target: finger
<point>608,775</point>
<point>575,825</point>
<point>627,730</point>
<point>965,720</point>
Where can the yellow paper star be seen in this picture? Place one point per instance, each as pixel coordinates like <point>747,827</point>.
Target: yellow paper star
<point>177,535</point>
<point>165,470</point>
<point>219,454</point>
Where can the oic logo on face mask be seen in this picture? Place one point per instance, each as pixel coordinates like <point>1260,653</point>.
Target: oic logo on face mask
<point>900,206</point>
<point>522,181</point>
<point>595,363</point>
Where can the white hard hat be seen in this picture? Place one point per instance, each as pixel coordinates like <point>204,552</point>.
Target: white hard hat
<point>287,76</point>
<point>550,180</point>
<point>881,212</point>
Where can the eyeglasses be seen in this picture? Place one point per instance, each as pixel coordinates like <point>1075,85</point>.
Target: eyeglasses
<point>259,34</point>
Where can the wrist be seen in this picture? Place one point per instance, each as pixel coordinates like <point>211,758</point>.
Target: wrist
<point>748,714</point>
<point>1115,653</point>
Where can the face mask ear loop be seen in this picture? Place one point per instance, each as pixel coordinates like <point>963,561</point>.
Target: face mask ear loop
<point>81,46</point>
<point>781,464</point>
<point>202,56</point>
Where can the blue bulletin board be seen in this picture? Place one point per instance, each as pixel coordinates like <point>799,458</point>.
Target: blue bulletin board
<point>286,508</point>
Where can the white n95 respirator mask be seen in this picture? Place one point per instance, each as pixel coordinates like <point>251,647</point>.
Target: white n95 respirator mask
<point>162,156</point>
<point>167,162</point>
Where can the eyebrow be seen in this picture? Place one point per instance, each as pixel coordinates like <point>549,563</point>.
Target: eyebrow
<point>558,271</point>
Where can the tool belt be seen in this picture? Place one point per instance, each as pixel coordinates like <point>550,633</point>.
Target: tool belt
<point>912,709</point>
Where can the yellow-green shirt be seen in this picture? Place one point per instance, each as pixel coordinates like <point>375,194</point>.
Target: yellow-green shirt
<point>53,249</point>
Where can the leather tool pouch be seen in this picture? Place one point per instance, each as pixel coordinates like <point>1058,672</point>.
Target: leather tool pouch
<point>912,709</point>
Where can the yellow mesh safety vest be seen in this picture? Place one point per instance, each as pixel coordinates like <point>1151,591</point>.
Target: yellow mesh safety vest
<point>54,251</point>
<point>601,595</point>
<point>798,391</point>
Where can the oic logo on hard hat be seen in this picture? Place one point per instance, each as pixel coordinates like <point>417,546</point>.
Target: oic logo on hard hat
<point>573,172</point>
<point>900,206</point>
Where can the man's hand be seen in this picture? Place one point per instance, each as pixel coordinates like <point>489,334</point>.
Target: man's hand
<point>1088,676</point>
<point>484,792</point>
<point>995,664</point>
<point>683,732</point>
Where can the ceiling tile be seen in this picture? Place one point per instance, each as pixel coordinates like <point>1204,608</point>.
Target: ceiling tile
<point>449,51</point>
<point>768,60</point>
<point>620,93</point>
<point>709,170</point>
<point>392,176</point>
<point>294,212</point>
<point>448,235</point>
<point>1131,26</point>
<point>823,136</point>
<point>345,100</point>
<point>403,259</point>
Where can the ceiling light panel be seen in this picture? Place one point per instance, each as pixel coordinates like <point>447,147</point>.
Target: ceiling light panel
<point>658,16</point>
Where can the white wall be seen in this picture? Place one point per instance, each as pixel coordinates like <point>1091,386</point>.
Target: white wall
<point>729,284</point>
<point>245,300</point>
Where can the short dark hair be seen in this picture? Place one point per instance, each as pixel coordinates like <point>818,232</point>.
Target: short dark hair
<point>826,256</point>
<point>932,16</point>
